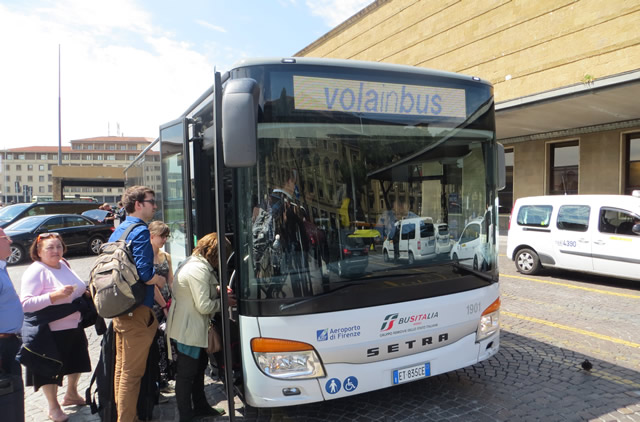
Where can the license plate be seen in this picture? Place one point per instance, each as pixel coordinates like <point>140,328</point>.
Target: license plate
<point>411,373</point>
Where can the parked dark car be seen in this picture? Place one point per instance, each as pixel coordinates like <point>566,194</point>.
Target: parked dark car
<point>78,232</point>
<point>348,255</point>
<point>13,213</point>
<point>101,216</point>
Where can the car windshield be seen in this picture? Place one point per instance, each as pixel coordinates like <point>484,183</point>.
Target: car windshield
<point>25,224</point>
<point>10,212</point>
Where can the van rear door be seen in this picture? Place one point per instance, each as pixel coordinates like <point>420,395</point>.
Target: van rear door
<point>407,239</point>
<point>427,238</point>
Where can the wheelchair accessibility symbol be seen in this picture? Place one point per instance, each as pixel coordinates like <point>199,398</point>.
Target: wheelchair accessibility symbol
<point>350,384</point>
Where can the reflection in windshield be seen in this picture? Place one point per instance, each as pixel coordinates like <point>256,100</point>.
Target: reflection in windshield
<point>349,206</point>
<point>25,224</point>
<point>7,213</point>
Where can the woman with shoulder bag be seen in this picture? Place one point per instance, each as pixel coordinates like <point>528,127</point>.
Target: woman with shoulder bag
<point>49,286</point>
<point>195,299</point>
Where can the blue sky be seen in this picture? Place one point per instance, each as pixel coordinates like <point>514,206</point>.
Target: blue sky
<point>135,64</point>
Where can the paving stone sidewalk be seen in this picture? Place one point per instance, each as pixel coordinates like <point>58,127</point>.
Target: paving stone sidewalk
<point>36,409</point>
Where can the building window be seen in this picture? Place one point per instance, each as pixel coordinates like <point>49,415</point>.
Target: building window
<point>7,178</point>
<point>99,157</point>
<point>90,146</point>
<point>18,166</point>
<point>632,170</point>
<point>65,157</point>
<point>19,178</point>
<point>87,157</point>
<point>50,178</point>
<point>505,196</point>
<point>9,156</point>
<point>40,178</point>
<point>40,189</point>
<point>21,157</point>
<point>29,178</point>
<point>132,147</point>
<point>564,160</point>
<point>29,167</point>
<point>111,157</point>
<point>50,188</point>
<point>43,156</point>
<point>41,167</point>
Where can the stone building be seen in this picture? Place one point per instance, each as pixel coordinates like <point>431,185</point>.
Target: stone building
<point>566,77</point>
<point>33,167</point>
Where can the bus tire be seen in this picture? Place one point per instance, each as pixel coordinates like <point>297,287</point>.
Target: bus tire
<point>527,261</point>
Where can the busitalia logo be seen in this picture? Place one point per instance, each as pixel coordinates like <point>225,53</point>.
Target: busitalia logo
<point>388,322</point>
<point>415,319</point>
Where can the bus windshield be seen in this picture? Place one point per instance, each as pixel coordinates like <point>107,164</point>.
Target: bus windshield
<point>345,205</point>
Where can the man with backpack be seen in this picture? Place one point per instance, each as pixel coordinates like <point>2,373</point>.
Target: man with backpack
<point>135,330</point>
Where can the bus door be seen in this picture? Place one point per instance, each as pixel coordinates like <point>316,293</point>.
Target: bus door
<point>175,189</point>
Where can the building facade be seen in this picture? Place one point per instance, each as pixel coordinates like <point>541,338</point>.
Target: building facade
<point>566,77</point>
<point>28,170</point>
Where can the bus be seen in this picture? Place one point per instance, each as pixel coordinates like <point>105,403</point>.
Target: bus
<point>77,198</point>
<point>307,165</point>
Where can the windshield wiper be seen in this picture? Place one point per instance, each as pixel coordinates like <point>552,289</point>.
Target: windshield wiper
<point>312,298</point>
<point>346,284</point>
<point>480,274</point>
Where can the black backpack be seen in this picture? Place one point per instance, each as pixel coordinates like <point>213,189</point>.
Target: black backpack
<point>103,376</point>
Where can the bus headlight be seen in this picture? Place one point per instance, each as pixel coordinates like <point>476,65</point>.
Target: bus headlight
<point>286,359</point>
<point>489,321</point>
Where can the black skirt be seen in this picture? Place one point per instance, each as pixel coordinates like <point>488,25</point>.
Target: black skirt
<point>74,353</point>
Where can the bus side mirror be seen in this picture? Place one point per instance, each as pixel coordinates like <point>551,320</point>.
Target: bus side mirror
<point>240,122</point>
<point>502,168</point>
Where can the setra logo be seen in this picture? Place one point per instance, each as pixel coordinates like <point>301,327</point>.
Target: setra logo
<point>388,322</point>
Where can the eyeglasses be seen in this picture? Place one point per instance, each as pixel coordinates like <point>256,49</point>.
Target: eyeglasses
<point>151,201</point>
<point>46,235</point>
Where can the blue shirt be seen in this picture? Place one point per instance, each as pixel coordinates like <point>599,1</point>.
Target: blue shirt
<point>142,252</point>
<point>11,315</point>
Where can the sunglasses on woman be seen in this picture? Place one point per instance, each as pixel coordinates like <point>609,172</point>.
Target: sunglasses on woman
<point>46,235</point>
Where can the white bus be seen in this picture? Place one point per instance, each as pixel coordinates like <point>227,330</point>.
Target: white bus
<point>283,156</point>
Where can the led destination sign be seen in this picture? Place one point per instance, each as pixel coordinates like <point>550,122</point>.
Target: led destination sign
<point>324,94</point>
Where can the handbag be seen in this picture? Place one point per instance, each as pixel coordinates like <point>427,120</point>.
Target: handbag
<point>215,342</point>
<point>39,363</point>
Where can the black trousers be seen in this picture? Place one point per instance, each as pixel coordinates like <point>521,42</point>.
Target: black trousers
<point>190,385</point>
<point>11,385</point>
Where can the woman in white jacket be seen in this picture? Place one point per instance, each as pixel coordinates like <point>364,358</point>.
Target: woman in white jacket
<point>195,299</point>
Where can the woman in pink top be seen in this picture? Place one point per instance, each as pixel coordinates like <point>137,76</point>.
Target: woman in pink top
<point>49,281</point>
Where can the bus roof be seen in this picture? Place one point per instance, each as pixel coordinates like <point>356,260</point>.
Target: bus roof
<point>356,64</point>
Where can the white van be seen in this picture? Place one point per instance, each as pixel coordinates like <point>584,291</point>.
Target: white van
<point>588,233</point>
<point>473,248</point>
<point>417,240</point>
